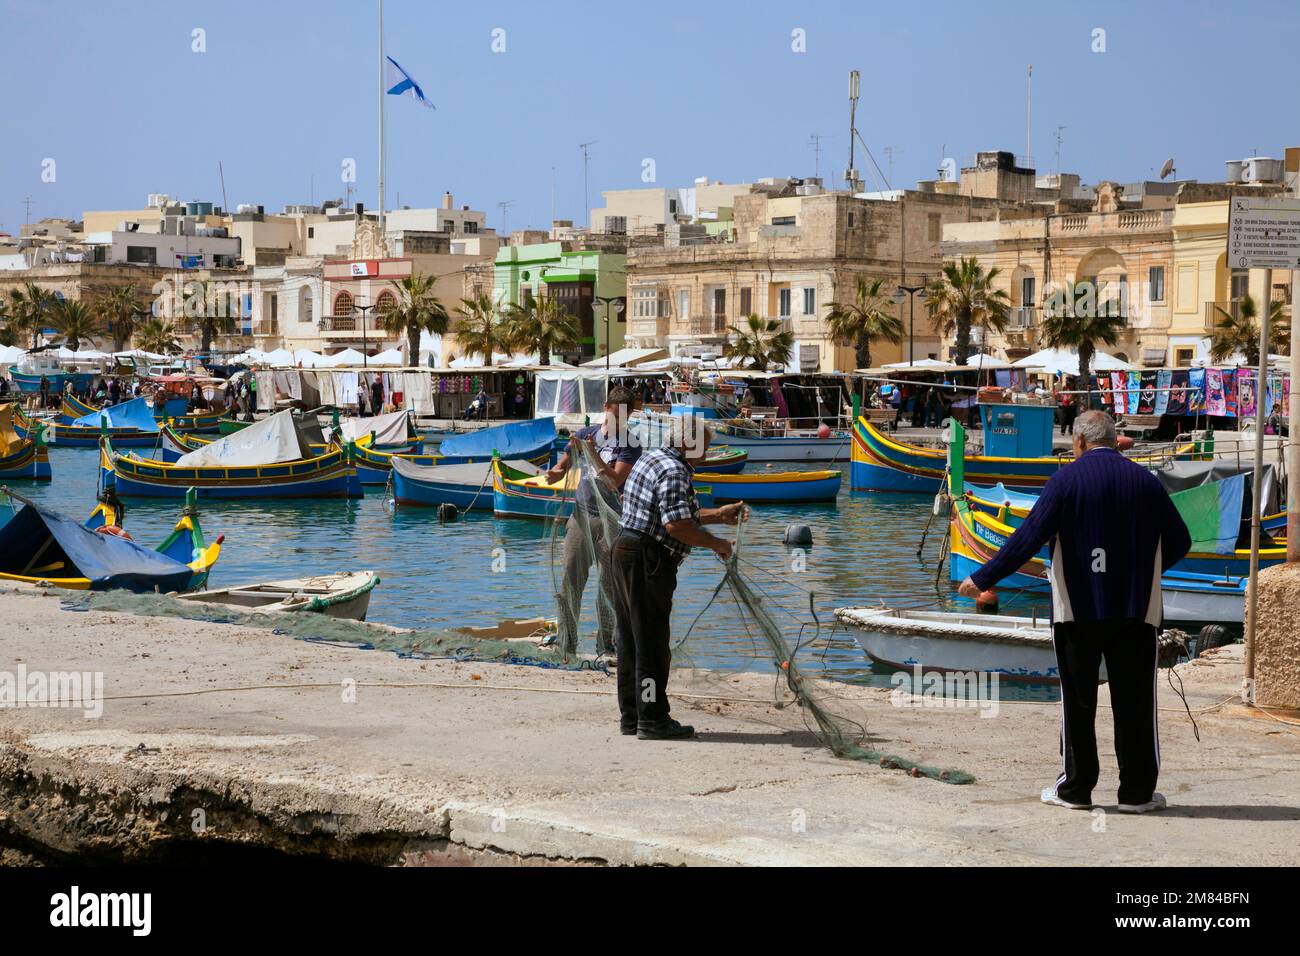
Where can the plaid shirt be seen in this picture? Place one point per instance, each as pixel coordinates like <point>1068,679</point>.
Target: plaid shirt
<point>659,491</point>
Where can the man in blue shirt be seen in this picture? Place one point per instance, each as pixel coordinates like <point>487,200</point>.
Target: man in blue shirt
<point>661,522</point>
<point>584,536</point>
<point>1113,531</point>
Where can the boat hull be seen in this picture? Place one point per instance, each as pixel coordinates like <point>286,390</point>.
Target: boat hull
<point>329,476</point>
<point>349,600</point>
<point>74,408</point>
<point>32,461</point>
<point>518,496</point>
<point>806,449</point>
<point>431,494</point>
<point>785,488</point>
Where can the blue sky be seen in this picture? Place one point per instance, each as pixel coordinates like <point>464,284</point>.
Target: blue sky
<point>286,91</point>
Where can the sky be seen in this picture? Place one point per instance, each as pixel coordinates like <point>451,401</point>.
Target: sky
<point>106,101</point>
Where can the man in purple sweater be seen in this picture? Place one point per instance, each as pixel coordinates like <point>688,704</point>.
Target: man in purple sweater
<point>1113,531</point>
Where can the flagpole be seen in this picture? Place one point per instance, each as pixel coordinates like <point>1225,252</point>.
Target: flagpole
<point>382,245</point>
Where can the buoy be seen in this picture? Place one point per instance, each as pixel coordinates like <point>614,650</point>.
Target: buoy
<point>447,512</point>
<point>987,602</point>
<point>798,536</point>
<point>1124,442</point>
<point>823,430</point>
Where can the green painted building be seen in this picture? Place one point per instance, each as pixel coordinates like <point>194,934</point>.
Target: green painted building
<point>578,281</point>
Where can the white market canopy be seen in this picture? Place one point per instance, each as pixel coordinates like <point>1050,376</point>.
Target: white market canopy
<point>628,357</point>
<point>1064,362</point>
<point>390,357</point>
<point>11,355</point>
<point>346,357</point>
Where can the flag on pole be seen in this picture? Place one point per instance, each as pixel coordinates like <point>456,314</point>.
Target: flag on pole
<point>399,82</point>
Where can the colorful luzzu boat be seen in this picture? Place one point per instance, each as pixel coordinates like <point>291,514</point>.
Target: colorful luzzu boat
<point>130,425</point>
<point>881,463</point>
<point>74,408</point>
<point>23,453</point>
<point>771,487</point>
<point>519,495</point>
<point>467,486</point>
<point>38,546</point>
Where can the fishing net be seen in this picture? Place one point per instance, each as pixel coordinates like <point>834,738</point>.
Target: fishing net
<point>761,628</point>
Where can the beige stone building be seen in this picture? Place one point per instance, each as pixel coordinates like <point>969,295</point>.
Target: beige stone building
<point>791,249</point>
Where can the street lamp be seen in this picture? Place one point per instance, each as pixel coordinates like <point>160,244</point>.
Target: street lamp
<point>611,302</point>
<point>365,344</point>
<point>909,291</point>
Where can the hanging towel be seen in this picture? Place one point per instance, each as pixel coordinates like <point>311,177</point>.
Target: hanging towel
<point>1164,379</point>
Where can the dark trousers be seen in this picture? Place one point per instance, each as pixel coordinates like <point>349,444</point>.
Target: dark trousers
<point>1129,649</point>
<point>645,574</point>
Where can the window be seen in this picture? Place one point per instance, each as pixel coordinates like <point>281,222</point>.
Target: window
<point>343,304</point>
<point>719,302</point>
<point>683,303</point>
<point>672,207</point>
<point>1183,357</point>
<point>644,303</point>
<point>850,220</point>
<point>934,227</point>
<point>1156,283</point>
<point>144,255</point>
<point>307,306</point>
<point>471,226</point>
<point>311,232</point>
<point>1027,291</point>
<point>385,302</point>
<point>1239,284</point>
<point>746,301</point>
<point>783,303</point>
<point>616,224</point>
<point>810,301</point>
<point>783,220</point>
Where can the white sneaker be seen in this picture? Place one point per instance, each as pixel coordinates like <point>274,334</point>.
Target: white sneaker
<point>1157,802</point>
<point>1049,796</point>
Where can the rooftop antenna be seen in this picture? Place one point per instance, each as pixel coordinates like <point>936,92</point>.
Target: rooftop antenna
<point>1029,120</point>
<point>222,173</point>
<point>504,206</point>
<point>890,153</point>
<point>27,201</point>
<point>1059,137</point>
<point>855,88</point>
<point>815,139</point>
<point>586,159</point>
<point>1168,168</point>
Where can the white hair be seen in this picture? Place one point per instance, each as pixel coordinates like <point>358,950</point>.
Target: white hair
<point>1096,428</point>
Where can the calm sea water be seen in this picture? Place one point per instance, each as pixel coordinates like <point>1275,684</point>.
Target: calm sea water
<point>441,575</point>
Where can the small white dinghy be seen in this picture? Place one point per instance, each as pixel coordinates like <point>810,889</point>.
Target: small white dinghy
<point>1015,648</point>
<point>345,595</point>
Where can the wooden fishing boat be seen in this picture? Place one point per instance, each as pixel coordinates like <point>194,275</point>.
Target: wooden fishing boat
<point>374,466</point>
<point>23,454</point>
<point>467,486</point>
<point>1203,598</point>
<point>73,408</point>
<point>331,475</point>
<point>344,595</point>
<point>881,463</point>
<point>519,495</point>
<point>787,444</point>
<point>724,460</point>
<point>130,425</point>
<point>772,487</point>
<point>1015,648</point>
<point>38,546</point>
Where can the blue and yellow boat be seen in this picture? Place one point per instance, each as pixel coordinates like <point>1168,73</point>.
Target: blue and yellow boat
<point>72,409</point>
<point>22,447</point>
<point>130,425</point>
<point>38,546</point>
<point>516,494</point>
<point>784,487</point>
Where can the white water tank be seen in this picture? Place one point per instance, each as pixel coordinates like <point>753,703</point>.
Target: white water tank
<point>244,208</point>
<point>1262,169</point>
<point>1233,168</point>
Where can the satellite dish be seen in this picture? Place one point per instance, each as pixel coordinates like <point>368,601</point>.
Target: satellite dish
<point>1167,168</point>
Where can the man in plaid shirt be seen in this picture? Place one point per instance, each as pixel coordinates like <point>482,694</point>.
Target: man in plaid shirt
<point>661,522</point>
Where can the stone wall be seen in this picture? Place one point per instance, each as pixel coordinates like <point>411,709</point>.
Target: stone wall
<point>1277,638</point>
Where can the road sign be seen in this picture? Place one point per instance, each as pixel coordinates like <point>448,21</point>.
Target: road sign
<point>1264,233</point>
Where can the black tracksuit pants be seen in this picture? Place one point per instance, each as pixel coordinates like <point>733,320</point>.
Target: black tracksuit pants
<point>645,577</point>
<point>1129,649</point>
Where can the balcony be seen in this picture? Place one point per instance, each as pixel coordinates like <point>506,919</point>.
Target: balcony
<point>1213,316</point>
<point>1022,317</point>
<point>708,325</point>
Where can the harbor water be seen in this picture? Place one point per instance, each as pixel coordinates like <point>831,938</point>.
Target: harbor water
<point>480,569</point>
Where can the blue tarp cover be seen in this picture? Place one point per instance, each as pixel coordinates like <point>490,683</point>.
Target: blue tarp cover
<point>516,440</point>
<point>106,560</point>
<point>133,414</point>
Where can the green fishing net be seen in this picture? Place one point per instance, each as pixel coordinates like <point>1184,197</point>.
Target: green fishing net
<point>768,632</point>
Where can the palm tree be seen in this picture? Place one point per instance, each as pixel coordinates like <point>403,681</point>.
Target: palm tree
<point>762,342</point>
<point>120,308</point>
<point>419,311</point>
<point>1240,333</point>
<point>6,332</point>
<point>75,321</point>
<point>856,323</point>
<point>30,309</point>
<point>157,336</point>
<point>210,311</point>
<point>481,327</point>
<point>962,297</point>
<point>1073,319</point>
<point>541,326</point>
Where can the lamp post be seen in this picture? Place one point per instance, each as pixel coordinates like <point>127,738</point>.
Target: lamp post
<point>365,344</point>
<point>909,291</point>
<point>611,302</point>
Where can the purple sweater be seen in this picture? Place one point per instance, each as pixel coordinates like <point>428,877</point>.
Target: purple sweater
<point>1113,531</point>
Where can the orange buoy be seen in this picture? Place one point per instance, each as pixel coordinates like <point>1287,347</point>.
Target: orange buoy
<point>823,430</point>
<point>114,530</point>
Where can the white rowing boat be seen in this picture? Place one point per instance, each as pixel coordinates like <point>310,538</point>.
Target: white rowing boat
<point>1015,648</point>
<point>344,595</point>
